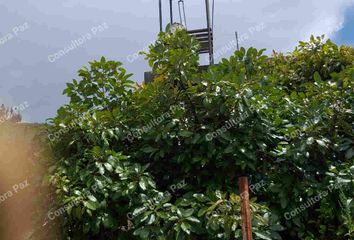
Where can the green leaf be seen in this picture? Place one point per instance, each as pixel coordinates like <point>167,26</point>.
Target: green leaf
<point>92,198</point>
<point>263,236</point>
<point>193,219</point>
<point>152,219</point>
<point>185,133</point>
<point>202,211</point>
<point>187,213</point>
<point>317,77</point>
<point>92,205</point>
<point>186,227</point>
<point>149,149</point>
<point>142,183</point>
<point>142,232</point>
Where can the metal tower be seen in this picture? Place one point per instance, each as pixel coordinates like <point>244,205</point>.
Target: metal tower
<point>205,35</point>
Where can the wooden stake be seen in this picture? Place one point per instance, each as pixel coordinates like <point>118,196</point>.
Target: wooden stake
<point>245,208</point>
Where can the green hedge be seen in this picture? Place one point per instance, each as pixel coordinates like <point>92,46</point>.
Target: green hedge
<point>161,161</point>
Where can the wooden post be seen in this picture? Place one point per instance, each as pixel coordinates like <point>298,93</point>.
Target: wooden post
<point>245,208</point>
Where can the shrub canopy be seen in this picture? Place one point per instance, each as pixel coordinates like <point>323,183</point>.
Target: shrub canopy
<point>161,161</point>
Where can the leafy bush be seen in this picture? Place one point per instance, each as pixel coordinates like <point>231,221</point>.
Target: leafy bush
<point>161,161</point>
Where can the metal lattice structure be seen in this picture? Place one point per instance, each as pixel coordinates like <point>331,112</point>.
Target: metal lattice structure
<point>205,35</point>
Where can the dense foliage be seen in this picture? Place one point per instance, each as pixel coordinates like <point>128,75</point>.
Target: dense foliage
<point>161,161</point>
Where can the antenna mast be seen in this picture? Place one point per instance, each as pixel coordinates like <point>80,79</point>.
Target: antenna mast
<point>171,12</point>
<point>160,14</point>
<point>238,47</point>
<point>211,57</point>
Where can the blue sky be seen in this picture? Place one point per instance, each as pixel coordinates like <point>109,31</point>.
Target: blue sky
<point>346,34</point>
<point>34,31</point>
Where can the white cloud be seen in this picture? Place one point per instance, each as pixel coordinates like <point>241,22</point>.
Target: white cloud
<point>329,17</point>
<point>287,21</point>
